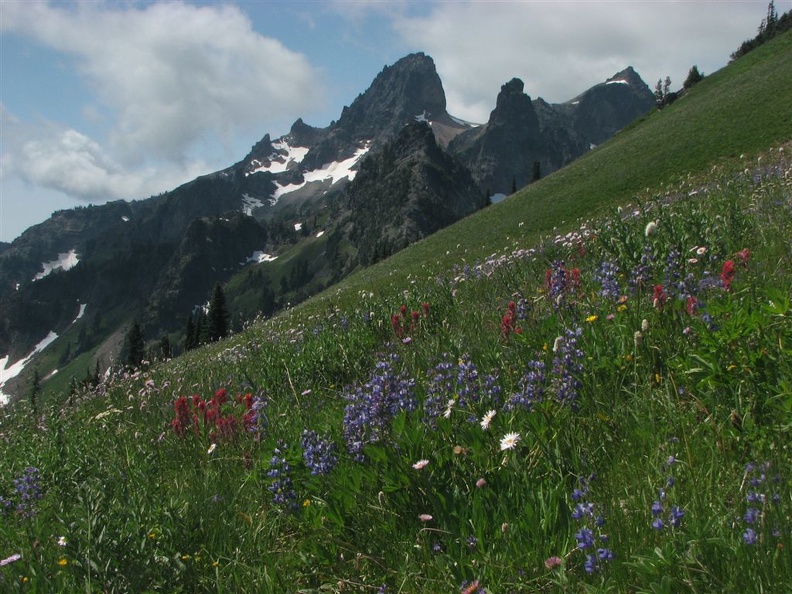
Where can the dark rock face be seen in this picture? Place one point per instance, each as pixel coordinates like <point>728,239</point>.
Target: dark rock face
<point>501,154</point>
<point>524,137</point>
<point>407,191</point>
<point>608,107</point>
<point>409,88</point>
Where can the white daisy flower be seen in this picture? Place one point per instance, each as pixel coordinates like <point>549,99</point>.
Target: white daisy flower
<point>509,441</point>
<point>487,419</point>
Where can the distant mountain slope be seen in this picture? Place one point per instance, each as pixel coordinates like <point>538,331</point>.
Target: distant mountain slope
<point>314,205</point>
<point>524,140</point>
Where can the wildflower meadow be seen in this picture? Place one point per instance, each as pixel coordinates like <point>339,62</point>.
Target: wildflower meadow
<point>606,410</point>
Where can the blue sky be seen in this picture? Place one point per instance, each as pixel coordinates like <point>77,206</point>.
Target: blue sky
<point>105,100</point>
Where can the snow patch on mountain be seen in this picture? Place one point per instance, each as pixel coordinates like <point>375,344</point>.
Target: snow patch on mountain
<point>7,373</point>
<point>277,162</point>
<point>617,82</point>
<point>64,262</point>
<point>249,203</point>
<point>81,312</point>
<point>259,257</point>
<point>335,171</point>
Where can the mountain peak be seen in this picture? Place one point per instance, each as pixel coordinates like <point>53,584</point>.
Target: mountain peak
<point>628,76</point>
<point>513,105</point>
<point>408,89</point>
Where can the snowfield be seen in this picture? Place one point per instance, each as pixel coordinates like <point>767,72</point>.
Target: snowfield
<point>335,171</point>
<point>17,368</point>
<point>258,257</point>
<point>277,162</point>
<point>249,203</point>
<point>64,262</point>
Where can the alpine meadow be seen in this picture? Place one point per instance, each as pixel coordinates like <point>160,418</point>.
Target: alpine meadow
<point>586,387</point>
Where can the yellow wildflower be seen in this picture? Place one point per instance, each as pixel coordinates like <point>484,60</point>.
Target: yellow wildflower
<point>63,562</point>
<point>591,319</point>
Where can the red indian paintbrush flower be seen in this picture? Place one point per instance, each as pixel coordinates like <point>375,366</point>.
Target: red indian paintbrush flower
<point>727,274</point>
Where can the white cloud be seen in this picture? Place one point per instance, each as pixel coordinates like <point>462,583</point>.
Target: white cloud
<point>72,163</point>
<point>175,74</point>
<point>561,48</point>
<point>54,157</point>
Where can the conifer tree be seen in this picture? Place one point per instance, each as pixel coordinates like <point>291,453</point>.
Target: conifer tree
<point>218,315</point>
<point>201,328</point>
<point>134,347</point>
<point>693,77</point>
<point>165,351</point>
<point>190,336</point>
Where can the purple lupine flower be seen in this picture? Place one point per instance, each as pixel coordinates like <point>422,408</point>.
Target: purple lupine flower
<point>438,390</point>
<point>607,276</point>
<point>467,381</point>
<point>754,497</point>
<point>657,508</point>
<point>523,308</point>
<point>585,538</point>
<point>318,453</point>
<point>641,275</point>
<point>492,390</point>
<point>372,407</point>
<point>568,367</point>
<point>749,536</point>
<point>28,488</point>
<point>532,387</point>
<point>605,554</point>
<point>559,281</point>
<point>708,282</point>
<point>258,420</point>
<point>583,510</point>
<point>676,285</point>
<point>280,473</point>
<point>751,515</point>
<point>676,515</point>
<point>591,564</point>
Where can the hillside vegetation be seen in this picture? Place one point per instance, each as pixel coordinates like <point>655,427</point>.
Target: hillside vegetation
<point>503,407</point>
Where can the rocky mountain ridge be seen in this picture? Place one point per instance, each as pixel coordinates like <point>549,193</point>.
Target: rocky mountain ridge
<point>317,202</point>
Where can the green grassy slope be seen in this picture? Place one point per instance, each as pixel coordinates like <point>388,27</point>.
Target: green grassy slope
<point>609,412</point>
